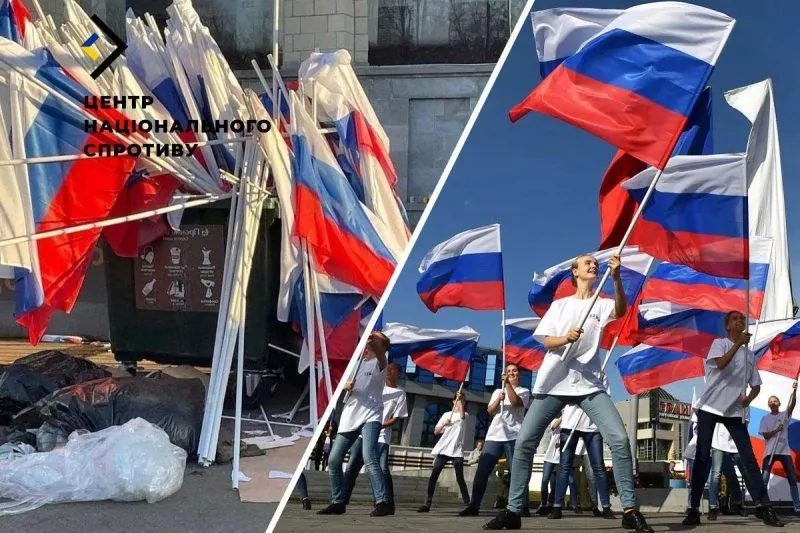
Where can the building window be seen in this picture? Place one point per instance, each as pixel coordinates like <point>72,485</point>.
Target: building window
<point>241,28</point>
<point>439,31</point>
<point>433,412</point>
<point>491,363</point>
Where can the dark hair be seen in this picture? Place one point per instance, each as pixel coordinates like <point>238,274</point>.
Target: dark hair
<point>574,265</point>
<point>729,315</point>
<point>387,344</point>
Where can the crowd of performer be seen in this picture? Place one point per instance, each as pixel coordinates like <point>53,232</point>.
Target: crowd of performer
<point>569,400</point>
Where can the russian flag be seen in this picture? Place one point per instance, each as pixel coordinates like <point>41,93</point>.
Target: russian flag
<point>645,367</point>
<point>446,353</point>
<point>697,215</point>
<point>691,331</point>
<point>617,207</point>
<point>14,20</point>
<point>630,77</point>
<point>685,286</point>
<point>464,271</point>
<point>344,237</point>
<point>362,142</point>
<point>555,282</point>
<point>521,348</point>
<point>56,195</point>
<point>781,355</point>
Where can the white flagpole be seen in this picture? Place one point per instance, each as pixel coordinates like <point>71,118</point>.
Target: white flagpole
<point>622,245</point>
<point>503,325</point>
<point>320,325</point>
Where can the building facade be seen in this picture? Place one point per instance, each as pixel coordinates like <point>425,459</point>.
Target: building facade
<point>423,65</point>
<point>662,430</point>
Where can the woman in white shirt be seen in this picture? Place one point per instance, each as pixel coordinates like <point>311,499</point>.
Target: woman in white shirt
<point>576,380</point>
<point>774,427</point>
<point>729,365</point>
<point>361,417</point>
<point>507,409</point>
<point>552,458</point>
<point>450,448</point>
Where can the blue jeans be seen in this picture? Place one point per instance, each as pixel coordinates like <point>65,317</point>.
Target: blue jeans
<point>543,409</point>
<point>594,448</point>
<point>439,461</point>
<point>302,486</point>
<point>786,461</point>
<point>357,461</point>
<point>490,455</point>
<point>343,442</point>
<point>722,463</point>
<point>548,469</point>
<point>747,460</point>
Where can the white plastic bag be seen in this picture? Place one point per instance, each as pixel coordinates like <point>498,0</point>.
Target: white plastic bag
<point>132,462</point>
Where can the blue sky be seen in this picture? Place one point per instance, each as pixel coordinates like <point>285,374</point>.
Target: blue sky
<point>539,178</point>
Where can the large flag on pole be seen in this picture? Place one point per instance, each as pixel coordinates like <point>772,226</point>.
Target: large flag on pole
<point>521,348</point>
<point>697,215</point>
<point>447,353</point>
<point>766,206</point>
<point>617,207</point>
<point>645,367</point>
<point>464,271</point>
<point>54,195</point>
<point>630,77</point>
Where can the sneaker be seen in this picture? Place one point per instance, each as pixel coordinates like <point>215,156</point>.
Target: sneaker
<point>526,512</point>
<point>692,517</point>
<point>634,520</point>
<point>797,512</point>
<point>555,514</point>
<point>597,512</point>
<point>334,508</point>
<point>770,518</point>
<point>391,508</point>
<point>505,519</point>
<point>607,513</point>
<point>306,504</point>
<point>736,508</point>
<point>578,509</point>
<point>424,509</point>
<point>713,514</point>
<point>470,511</point>
<point>759,512</point>
<point>543,510</point>
<point>381,509</point>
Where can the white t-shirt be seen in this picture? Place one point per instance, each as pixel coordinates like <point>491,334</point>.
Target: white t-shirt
<point>580,374</point>
<point>366,400</point>
<point>574,417</point>
<point>451,443</point>
<point>553,453</point>
<point>507,420</point>
<point>769,423</point>
<point>394,406</point>
<point>691,447</point>
<point>722,440</point>
<point>725,388</point>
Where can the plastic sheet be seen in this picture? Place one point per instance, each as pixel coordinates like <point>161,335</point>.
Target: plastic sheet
<point>132,462</point>
<point>175,405</point>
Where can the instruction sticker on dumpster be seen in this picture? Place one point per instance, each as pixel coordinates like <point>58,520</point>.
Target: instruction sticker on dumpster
<point>182,271</point>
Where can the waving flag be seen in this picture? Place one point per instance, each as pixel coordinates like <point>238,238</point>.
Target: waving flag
<point>444,352</point>
<point>617,207</point>
<point>697,215</point>
<point>55,195</point>
<point>690,331</point>
<point>363,141</point>
<point>781,355</point>
<point>464,271</point>
<point>521,348</point>
<point>345,237</point>
<point>645,368</point>
<point>682,285</point>
<point>555,282</point>
<point>766,205</point>
<point>630,77</point>
<point>14,20</point>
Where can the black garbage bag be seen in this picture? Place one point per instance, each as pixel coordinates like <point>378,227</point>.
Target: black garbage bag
<point>16,436</point>
<point>33,377</point>
<point>174,405</point>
